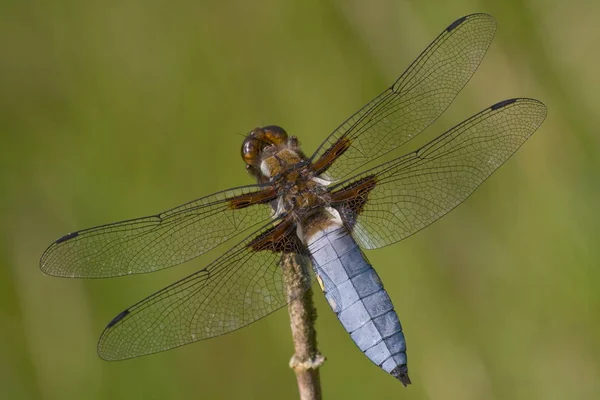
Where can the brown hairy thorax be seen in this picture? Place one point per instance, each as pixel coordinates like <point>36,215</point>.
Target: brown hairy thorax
<point>295,188</point>
<point>273,156</point>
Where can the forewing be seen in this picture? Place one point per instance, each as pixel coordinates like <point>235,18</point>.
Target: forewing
<point>415,100</point>
<point>240,287</point>
<point>155,242</point>
<point>396,199</point>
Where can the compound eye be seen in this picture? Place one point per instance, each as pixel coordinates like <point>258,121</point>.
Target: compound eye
<point>275,134</point>
<point>250,150</point>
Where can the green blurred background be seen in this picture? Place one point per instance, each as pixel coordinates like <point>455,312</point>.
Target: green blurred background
<point>116,109</point>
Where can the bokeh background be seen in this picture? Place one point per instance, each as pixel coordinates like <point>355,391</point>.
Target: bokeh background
<point>116,109</point>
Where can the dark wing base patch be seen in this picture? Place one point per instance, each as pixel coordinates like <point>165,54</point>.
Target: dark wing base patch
<point>351,199</point>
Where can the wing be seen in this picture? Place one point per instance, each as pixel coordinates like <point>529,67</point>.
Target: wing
<point>415,100</point>
<point>159,241</point>
<point>240,287</point>
<point>396,199</point>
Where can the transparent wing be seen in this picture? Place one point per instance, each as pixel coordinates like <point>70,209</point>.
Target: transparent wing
<point>407,194</point>
<point>240,287</point>
<point>415,100</point>
<point>151,243</point>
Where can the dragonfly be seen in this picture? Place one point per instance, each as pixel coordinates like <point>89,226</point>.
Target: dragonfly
<point>324,210</point>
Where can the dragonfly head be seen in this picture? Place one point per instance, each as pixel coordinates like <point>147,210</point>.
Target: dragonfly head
<point>262,142</point>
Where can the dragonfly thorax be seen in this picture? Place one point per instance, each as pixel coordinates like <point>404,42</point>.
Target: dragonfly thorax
<point>300,191</point>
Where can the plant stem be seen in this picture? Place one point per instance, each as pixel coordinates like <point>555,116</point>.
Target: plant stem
<point>306,359</point>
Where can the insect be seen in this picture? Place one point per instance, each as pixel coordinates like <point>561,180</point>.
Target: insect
<point>323,209</point>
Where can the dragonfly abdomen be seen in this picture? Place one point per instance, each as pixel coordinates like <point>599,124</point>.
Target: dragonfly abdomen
<point>356,295</point>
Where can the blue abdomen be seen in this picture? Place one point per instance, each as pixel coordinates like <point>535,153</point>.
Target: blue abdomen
<point>356,294</point>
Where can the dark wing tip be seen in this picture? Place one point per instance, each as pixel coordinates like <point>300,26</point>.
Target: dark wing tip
<point>108,355</point>
<point>460,21</point>
<point>401,373</point>
<point>68,236</point>
<point>502,103</point>
<point>116,319</point>
<point>43,260</point>
<point>456,23</point>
